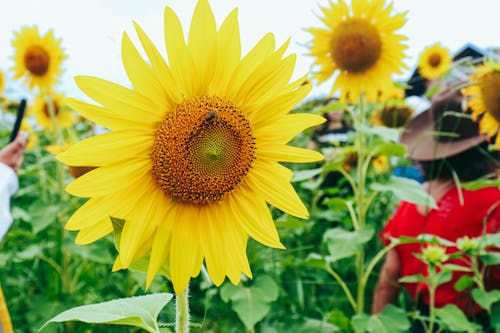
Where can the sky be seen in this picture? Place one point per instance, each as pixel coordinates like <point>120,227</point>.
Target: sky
<point>91,30</point>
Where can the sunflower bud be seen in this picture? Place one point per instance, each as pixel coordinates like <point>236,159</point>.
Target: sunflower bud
<point>434,255</point>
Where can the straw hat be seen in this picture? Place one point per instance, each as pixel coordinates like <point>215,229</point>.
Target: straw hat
<point>441,131</point>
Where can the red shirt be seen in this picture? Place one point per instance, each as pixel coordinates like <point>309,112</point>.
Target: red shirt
<point>450,221</point>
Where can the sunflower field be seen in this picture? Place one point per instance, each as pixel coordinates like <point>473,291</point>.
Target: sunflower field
<point>216,191</point>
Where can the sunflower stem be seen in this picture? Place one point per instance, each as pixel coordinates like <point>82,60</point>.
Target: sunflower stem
<point>182,312</point>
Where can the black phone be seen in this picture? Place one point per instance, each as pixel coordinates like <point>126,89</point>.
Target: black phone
<point>19,120</point>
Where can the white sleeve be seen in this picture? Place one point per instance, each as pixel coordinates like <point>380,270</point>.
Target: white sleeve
<point>8,186</point>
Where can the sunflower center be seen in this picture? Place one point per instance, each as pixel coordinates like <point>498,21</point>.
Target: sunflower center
<point>490,85</point>
<point>36,60</point>
<point>202,150</point>
<point>395,116</point>
<point>434,60</point>
<point>355,45</point>
<point>55,108</point>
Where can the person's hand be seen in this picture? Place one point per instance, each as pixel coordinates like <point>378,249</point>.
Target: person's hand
<point>13,154</point>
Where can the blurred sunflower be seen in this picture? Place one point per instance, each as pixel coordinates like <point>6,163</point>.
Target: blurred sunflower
<point>2,81</point>
<point>380,164</point>
<point>63,116</point>
<point>484,99</point>
<point>394,114</point>
<point>38,59</point>
<point>193,156</point>
<point>33,139</point>
<point>434,61</point>
<point>361,45</point>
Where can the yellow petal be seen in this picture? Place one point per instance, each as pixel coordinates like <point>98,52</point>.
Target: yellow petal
<point>162,72</point>
<point>253,216</point>
<point>202,43</point>
<point>109,179</point>
<point>107,117</point>
<point>286,128</point>
<point>119,99</point>
<point>95,232</point>
<point>141,222</point>
<point>185,254</point>
<point>179,58</point>
<point>108,148</point>
<point>141,75</point>
<point>270,181</point>
<point>228,53</point>
<point>283,153</point>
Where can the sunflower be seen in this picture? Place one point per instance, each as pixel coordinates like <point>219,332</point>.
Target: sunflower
<point>483,98</point>
<point>393,114</point>
<point>360,44</point>
<point>38,59</point>
<point>193,156</point>
<point>434,61</point>
<point>380,164</point>
<point>33,139</point>
<point>63,117</point>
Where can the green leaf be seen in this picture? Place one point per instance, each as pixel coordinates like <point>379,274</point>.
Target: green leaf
<point>391,320</point>
<point>302,175</point>
<point>252,304</point>
<point>140,311</point>
<point>314,260</point>
<point>390,149</point>
<point>454,319</point>
<point>480,183</point>
<point>342,243</point>
<point>412,278</point>
<point>227,291</point>
<point>331,107</point>
<point>407,190</point>
<point>464,282</point>
<point>490,258</point>
<point>486,298</point>
<point>386,133</point>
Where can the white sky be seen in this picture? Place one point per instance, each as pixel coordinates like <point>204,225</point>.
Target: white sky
<point>92,29</point>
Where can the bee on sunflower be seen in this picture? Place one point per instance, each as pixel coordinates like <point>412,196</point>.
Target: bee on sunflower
<point>194,152</point>
<point>360,45</point>
<point>37,58</point>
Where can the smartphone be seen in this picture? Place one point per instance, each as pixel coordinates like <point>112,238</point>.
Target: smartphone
<point>19,120</point>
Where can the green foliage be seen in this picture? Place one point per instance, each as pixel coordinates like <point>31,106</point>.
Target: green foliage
<point>454,320</point>
<point>252,303</point>
<point>391,320</point>
<point>140,311</point>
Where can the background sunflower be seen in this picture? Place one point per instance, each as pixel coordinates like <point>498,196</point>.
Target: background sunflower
<point>484,99</point>
<point>361,46</point>
<point>38,59</point>
<point>64,118</point>
<point>434,61</point>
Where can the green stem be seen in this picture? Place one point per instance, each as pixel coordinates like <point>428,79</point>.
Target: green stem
<point>182,312</point>
<point>360,202</point>
<point>343,285</point>
<point>432,315</point>
<point>374,262</point>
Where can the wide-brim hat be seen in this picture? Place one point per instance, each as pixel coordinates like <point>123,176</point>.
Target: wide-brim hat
<point>443,130</point>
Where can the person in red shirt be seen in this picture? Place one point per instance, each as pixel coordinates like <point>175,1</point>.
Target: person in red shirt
<point>446,144</point>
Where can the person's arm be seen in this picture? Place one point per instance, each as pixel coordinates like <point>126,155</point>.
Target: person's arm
<point>11,158</point>
<point>387,288</point>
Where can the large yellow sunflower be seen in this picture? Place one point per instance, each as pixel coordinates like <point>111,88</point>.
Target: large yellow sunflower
<point>63,117</point>
<point>484,99</point>
<point>37,58</point>
<point>361,46</point>
<point>193,156</point>
<point>434,61</point>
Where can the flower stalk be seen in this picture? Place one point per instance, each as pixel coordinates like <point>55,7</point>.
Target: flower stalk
<point>182,312</point>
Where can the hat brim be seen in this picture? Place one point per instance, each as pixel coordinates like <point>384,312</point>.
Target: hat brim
<point>421,141</point>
